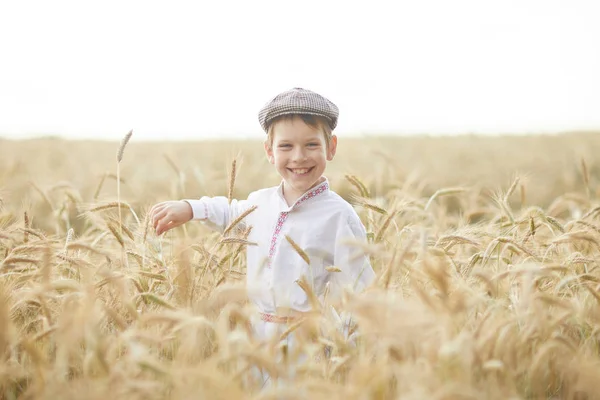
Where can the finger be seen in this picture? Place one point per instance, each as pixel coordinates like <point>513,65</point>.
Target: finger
<point>164,221</point>
<point>161,227</point>
<point>159,216</point>
<point>156,208</point>
<point>166,225</point>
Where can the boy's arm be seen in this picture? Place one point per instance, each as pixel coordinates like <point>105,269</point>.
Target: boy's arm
<point>217,211</point>
<point>356,271</point>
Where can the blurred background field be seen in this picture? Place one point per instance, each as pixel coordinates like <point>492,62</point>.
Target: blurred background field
<point>485,248</point>
<point>549,165</point>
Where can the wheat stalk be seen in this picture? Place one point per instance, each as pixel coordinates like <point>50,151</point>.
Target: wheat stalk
<point>84,246</point>
<point>27,225</point>
<point>239,219</point>
<point>357,183</point>
<point>120,152</point>
<point>232,176</point>
<point>178,171</point>
<point>114,204</point>
<point>371,206</point>
<point>43,195</point>
<point>591,212</point>
<point>443,192</point>
<point>9,261</point>
<point>122,227</point>
<point>511,189</point>
<point>117,234</point>
<point>122,146</point>
<point>298,249</point>
<point>233,240</point>
<point>384,226</point>
<point>99,187</point>
<point>522,194</point>
<point>586,176</point>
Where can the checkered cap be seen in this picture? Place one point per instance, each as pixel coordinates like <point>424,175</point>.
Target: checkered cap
<point>298,101</point>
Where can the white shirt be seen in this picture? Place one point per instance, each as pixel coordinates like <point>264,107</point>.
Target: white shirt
<point>320,222</point>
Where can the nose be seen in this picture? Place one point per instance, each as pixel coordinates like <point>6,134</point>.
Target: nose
<point>299,153</point>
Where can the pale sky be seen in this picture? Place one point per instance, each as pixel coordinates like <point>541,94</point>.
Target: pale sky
<point>194,69</point>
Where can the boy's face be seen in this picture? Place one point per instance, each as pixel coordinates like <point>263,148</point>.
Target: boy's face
<point>300,154</point>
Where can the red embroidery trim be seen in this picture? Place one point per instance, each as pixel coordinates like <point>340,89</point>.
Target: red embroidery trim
<point>276,232</point>
<point>275,318</point>
<point>283,216</point>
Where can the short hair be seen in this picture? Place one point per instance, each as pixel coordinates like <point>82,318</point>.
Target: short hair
<point>314,121</point>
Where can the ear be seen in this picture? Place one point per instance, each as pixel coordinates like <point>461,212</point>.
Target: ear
<point>269,152</point>
<point>332,148</point>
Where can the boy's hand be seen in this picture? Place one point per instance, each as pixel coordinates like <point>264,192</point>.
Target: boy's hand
<point>170,214</point>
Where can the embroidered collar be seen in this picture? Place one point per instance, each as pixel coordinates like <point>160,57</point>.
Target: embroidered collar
<point>310,194</point>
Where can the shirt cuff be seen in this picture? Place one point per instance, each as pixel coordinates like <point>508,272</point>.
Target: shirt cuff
<point>199,209</point>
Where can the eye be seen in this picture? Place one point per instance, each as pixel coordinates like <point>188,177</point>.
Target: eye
<point>285,145</point>
<point>313,144</point>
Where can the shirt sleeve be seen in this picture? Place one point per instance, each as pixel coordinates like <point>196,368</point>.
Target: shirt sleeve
<point>217,211</point>
<point>356,271</point>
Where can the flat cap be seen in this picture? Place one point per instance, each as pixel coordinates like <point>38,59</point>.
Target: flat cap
<point>298,101</point>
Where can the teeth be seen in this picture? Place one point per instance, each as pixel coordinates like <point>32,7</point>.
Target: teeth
<point>300,171</point>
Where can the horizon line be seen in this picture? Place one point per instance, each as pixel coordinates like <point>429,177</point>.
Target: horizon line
<point>356,135</point>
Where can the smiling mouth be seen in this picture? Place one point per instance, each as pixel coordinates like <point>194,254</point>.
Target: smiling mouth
<point>301,171</point>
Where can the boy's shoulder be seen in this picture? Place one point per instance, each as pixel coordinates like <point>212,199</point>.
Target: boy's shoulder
<point>338,200</point>
<point>345,213</point>
<point>263,193</point>
<point>338,203</point>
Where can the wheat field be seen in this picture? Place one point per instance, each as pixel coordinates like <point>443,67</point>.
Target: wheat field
<point>486,251</point>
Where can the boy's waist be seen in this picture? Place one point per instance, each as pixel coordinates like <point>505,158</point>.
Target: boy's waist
<point>283,315</point>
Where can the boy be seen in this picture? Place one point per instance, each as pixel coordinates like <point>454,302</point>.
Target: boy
<point>299,125</point>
